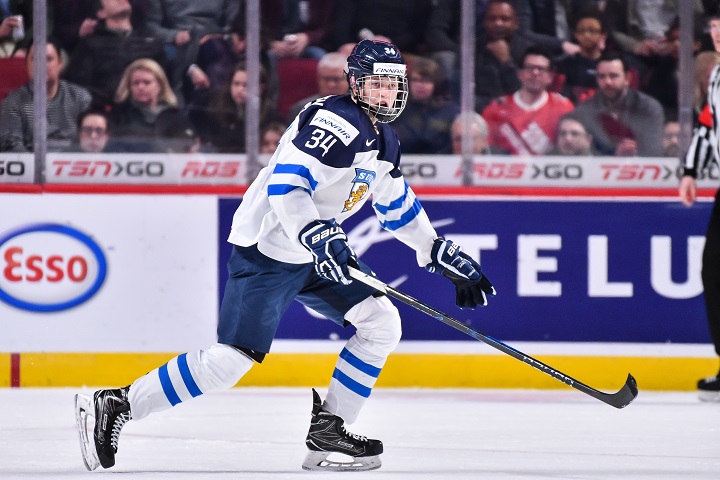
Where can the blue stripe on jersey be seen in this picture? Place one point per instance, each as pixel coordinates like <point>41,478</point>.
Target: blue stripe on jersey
<point>405,218</point>
<point>395,204</point>
<point>359,364</point>
<point>351,384</point>
<point>283,189</point>
<point>167,386</point>
<point>187,376</point>
<point>299,170</point>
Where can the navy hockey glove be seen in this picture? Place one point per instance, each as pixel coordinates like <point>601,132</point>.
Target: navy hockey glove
<point>471,286</point>
<point>331,252</point>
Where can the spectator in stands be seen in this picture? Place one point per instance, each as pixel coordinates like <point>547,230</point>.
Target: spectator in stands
<point>579,69</point>
<point>77,20</point>
<point>270,137</point>
<point>65,102</point>
<point>221,124</point>
<point>671,139</point>
<point>142,94</point>
<point>443,30</point>
<point>299,29</point>
<point>9,22</point>
<point>546,23</point>
<point>622,120</point>
<point>424,126</point>
<point>217,58</point>
<point>330,81</point>
<point>714,30</point>
<point>403,22</point>
<point>638,28</point>
<point>182,24</point>
<point>661,79</point>
<point>572,138</point>
<point>498,52</point>
<point>100,58</point>
<point>443,33</point>
<point>525,122</point>
<point>17,46</point>
<point>174,133</point>
<point>93,132</point>
<point>479,132</point>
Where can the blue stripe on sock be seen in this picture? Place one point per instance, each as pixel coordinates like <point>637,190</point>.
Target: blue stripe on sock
<point>167,386</point>
<point>187,376</point>
<point>351,384</point>
<point>359,364</point>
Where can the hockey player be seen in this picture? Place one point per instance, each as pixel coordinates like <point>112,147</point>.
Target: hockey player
<point>288,244</point>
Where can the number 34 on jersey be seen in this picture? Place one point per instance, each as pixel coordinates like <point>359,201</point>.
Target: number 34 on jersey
<point>330,128</point>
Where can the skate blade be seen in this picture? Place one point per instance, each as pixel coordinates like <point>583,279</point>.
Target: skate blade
<point>709,396</point>
<point>319,461</point>
<point>83,409</point>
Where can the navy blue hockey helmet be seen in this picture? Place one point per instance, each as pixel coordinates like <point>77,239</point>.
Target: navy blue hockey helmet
<point>377,78</point>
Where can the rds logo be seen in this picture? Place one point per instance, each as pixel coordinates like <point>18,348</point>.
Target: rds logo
<point>49,267</point>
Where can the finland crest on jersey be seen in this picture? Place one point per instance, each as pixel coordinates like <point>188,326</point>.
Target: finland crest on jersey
<point>361,185</point>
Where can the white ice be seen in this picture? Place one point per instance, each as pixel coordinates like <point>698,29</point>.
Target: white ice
<point>257,433</point>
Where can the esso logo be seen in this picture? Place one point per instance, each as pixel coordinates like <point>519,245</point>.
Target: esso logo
<point>49,267</point>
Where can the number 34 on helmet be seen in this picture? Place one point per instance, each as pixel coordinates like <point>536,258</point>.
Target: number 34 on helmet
<point>377,76</point>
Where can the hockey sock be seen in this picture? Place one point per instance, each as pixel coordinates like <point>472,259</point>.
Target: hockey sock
<point>187,376</point>
<point>356,371</point>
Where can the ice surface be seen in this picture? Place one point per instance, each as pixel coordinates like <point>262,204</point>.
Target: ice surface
<point>259,433</point>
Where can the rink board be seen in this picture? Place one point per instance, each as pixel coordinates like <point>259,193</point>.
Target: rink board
<point>566,270</point>
<point>588,271</point>
<point>426,370</point>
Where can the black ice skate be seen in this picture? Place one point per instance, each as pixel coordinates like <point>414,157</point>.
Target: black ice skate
<point>328,436</point>
<point>709,389</point>
<point>111,411</point>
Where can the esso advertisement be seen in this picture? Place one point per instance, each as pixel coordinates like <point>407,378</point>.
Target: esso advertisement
<point>107,273</point>
<point>49,267</point>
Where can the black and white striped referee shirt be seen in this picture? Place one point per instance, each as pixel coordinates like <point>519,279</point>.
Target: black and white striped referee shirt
<point>704,149</point>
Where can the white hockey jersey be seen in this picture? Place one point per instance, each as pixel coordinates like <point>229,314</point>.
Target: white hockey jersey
<point>328,163</point>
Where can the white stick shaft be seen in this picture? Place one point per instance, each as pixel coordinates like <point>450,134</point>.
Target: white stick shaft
<point>368,280</point>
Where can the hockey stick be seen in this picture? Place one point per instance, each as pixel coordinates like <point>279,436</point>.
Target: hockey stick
<point>621,398</point>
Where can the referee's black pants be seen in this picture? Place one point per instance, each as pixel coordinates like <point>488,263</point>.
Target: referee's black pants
<point>711,273</point>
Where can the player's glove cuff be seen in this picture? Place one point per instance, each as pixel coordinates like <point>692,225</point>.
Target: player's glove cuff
<point>446,255</point>
<point>327,241</point>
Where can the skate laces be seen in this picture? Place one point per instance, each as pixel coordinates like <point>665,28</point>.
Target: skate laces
<point>120,422</point>
<point>359,438</point>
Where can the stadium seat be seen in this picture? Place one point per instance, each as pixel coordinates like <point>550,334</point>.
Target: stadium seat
<point>14,75</point>
<point>297,79</point>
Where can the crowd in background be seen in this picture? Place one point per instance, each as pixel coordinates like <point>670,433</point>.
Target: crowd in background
<point>560,77</point>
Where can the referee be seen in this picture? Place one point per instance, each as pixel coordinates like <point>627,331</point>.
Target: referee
<point>703,152</point>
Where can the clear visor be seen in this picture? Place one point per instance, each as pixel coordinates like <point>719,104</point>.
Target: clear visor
<point>382,96</point>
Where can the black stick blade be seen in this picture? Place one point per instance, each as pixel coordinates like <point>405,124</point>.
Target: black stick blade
<point>623,397</point>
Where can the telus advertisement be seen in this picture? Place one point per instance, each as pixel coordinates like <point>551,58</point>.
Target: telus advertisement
<point>582,270</point>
